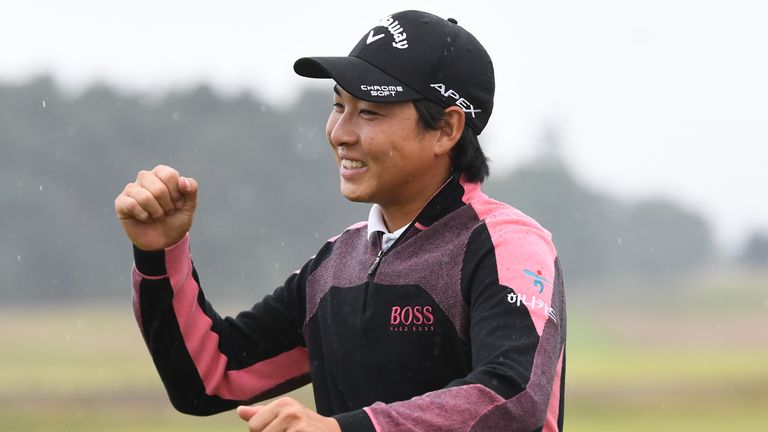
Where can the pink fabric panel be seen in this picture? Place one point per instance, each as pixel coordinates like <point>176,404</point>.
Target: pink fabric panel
<point>373,419</point>
<point>452,409</point>
<point>334,238</point>
<point>553,410</point>
<point>420,226</point>
<point>525,256</point>
<point>356,225</point>
<point>202,343</point>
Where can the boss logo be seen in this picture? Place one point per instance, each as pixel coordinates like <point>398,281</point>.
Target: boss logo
<point>411,315</point>
<point>411,319</point>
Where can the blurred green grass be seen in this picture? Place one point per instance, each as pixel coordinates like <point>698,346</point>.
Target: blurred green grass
<point>630,367</point>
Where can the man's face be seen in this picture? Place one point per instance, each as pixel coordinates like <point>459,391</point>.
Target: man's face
<point>383,155</point>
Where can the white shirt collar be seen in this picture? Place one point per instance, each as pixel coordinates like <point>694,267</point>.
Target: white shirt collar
<point>376,224</point>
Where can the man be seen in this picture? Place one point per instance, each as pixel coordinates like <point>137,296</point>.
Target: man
<point>444,311</point>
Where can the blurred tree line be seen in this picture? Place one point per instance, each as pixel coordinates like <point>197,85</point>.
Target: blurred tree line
<point>268,199</point>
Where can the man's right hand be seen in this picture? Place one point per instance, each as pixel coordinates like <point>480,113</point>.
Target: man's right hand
<point>157,209</point>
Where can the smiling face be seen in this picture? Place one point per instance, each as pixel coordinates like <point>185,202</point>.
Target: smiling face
<point>383,155</point>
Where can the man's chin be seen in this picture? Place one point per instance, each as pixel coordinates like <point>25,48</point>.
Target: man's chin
<point>355,196</point>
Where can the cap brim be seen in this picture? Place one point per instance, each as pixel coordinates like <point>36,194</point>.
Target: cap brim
<point>357,77</point>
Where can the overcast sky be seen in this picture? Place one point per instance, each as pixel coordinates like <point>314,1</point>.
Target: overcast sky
<point>653,97</point>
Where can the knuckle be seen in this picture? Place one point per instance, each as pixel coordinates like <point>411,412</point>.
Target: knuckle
<point>164,171</point>
<point>294,409</point>
<point>134,207</point>
<point>130,204</point>
<point>144,199</point>
<point>284,401</point>
<point>131,208</point>
<point>122,202</point>
<point>164,175</point>
<point>291,414</point>
<point>129,188</point>
<point>142,196</point>
<point>157,190</point>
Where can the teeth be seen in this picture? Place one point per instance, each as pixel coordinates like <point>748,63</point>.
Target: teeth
<point>350,164</point>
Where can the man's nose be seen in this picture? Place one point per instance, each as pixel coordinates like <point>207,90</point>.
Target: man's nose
<point>344,131</point>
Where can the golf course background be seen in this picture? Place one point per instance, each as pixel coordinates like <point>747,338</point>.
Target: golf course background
<point>667,328</point>
<point>690,361</point>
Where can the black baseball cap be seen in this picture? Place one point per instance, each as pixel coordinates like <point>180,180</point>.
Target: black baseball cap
<point>412,55</point>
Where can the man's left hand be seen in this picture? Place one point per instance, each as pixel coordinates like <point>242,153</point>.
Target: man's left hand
<point>285,415</point>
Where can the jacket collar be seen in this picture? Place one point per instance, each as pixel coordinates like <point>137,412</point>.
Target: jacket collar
<point>447,200</point>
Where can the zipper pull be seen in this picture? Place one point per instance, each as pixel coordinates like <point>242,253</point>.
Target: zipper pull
<point>376,262</point>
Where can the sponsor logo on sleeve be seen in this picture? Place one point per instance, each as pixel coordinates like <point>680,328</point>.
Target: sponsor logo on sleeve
<point>540,283</point>
<point>532,304</point>
<point>538,280</point>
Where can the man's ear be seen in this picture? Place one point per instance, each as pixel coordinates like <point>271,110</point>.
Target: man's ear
<point>451,128</point>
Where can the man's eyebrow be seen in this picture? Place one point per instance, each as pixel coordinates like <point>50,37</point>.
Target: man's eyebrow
<point>336,89</point>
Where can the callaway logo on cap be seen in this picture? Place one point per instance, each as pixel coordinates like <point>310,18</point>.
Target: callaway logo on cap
<point>412,55</point>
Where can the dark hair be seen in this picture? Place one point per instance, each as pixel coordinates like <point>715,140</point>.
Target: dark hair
<point>466,156</point>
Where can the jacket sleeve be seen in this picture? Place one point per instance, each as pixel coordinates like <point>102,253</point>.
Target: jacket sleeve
<point>207,363</point>
<point>512,283</point>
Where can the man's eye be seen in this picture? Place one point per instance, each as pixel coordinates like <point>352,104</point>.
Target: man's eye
<point>338,107</point>
<point>369,113</point>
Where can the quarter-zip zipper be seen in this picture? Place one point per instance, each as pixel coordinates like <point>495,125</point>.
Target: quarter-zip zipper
<point>375,267</point>
<point>375,264</point>
<point>382,253</point>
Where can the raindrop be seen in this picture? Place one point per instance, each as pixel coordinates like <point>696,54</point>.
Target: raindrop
<point>618,240</point>
<point>18,258</point>
<point>41,188</point>
<point>43,103</point>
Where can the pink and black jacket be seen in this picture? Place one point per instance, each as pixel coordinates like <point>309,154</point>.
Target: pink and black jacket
<point>459,326</point>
